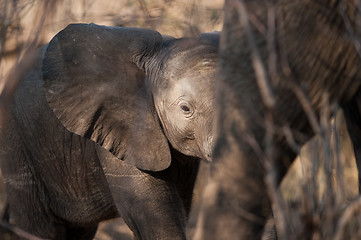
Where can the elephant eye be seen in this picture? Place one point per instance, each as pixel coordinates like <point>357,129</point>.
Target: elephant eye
<point>186,109</point>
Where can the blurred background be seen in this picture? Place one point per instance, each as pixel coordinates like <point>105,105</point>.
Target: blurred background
<point>28,24</point>
<point>23,21</point>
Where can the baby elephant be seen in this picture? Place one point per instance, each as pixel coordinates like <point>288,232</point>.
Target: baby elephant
<point>110,122</point>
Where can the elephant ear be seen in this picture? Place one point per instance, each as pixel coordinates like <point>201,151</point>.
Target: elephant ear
<point>96,86</point>
<point>211,37</point>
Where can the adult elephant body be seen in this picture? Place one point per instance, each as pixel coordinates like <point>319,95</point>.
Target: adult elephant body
<point>109,122</point>
<point>283,63</point>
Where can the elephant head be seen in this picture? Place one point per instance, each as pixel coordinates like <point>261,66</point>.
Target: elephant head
<point>133,92</point>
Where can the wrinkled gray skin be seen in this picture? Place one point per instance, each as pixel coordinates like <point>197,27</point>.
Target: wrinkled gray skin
<point>108,122</point>
<point>315,55</point>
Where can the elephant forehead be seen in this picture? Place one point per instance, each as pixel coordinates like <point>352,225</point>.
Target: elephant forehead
<point>183,65</point>
<point>195,88</point>
<point>191,79</point>
<point>185,86</point>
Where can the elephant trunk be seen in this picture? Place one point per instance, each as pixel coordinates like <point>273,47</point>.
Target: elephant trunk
<point>207,149</point>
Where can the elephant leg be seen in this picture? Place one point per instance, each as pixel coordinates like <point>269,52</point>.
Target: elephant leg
<point>150,203</point>
<point>29,203</point>
<point>28,200</point>
<point>352,110</point>
<point>183,174</point>
<point>32,214</point>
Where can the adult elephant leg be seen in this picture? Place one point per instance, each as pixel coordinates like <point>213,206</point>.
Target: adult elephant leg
<point>352,110</point>
<point>149,202</point>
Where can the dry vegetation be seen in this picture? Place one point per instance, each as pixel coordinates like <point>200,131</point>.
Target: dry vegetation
<point>319,194</point>
<point>26,24</point>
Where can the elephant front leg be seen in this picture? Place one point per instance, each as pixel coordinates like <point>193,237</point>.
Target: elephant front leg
<point>150,205</point>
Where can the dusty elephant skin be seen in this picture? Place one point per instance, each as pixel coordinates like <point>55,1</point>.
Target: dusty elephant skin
<point>108,122</point>
<point>310,60</point>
